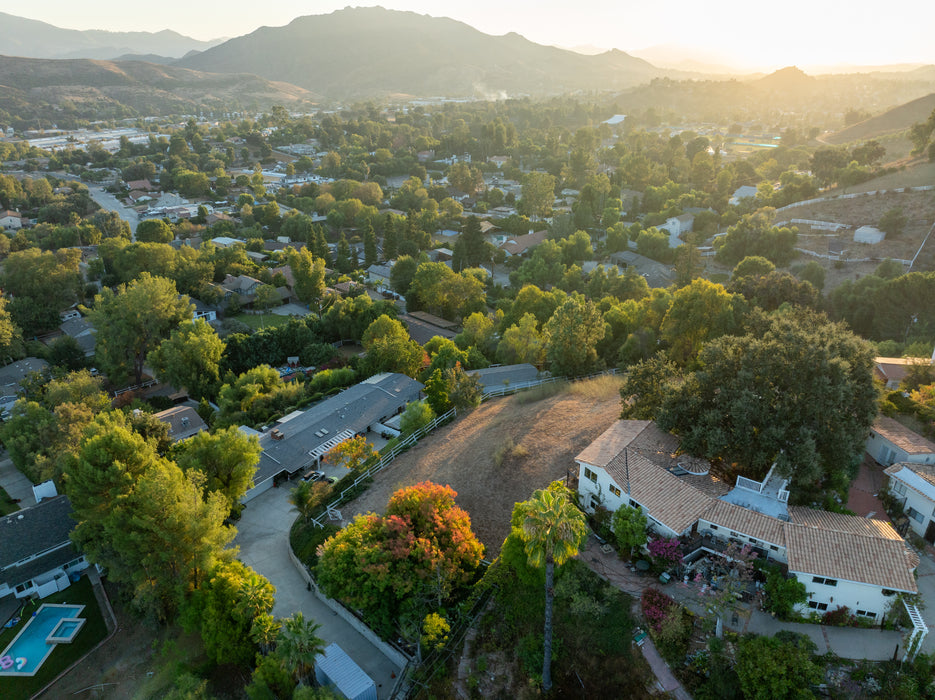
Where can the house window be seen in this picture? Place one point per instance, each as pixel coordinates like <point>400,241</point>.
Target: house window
<point>714,527</point>
<point>817,606</point>
<point>824,581</point>
<point>752,540</point>
<point>595,501</point>
<point>23,586</point>
<point>614,490</point>
<point>915,515</point>
<point>899,488</point>
<point>866,613</point>
<point>774,548</point>
<point>887,592</point>
<point>588,474</point>
<point>634,504</point>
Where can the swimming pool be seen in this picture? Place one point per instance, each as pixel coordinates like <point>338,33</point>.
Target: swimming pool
<point>30,648</point>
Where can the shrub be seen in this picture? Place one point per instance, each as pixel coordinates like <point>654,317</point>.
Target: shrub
<point>839,617</point>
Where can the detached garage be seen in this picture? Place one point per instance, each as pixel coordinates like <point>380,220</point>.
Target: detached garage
<point>336,669</point>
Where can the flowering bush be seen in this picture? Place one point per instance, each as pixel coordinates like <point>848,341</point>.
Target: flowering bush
<point>657,607</point>
<point>665,550</point>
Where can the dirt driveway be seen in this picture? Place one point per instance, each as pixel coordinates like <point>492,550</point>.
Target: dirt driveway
<point>500,453</point>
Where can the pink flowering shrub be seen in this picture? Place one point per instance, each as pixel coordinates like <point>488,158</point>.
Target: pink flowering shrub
<point>657,608</point>
<point>665,550</point>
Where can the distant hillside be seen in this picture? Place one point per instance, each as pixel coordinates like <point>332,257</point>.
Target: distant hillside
<point>787,79</point>
<point>896,119</point>
<point>65,90</point>
<point>30,38</point>
<point>362,52</point>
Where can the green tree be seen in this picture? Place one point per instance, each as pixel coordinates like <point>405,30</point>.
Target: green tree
<point>538,194</point>
<point>389,348</point>
<point>814,273</point>
<point>190,357</point>
<point>772,669</point>
<point>309,273</point>
<point>417,415</point>
<point>402,274</point>
<point>138,515</point>
<point>522,343</point>
<point>11,338</point>
<point>629,525</point>
<point>298,645</point>
<point>266,297</point>
<point>783,593</point>
<point>307,496</point>
<point>133,321</point>
<point>893,221</point>
<point>571,337</point>
<point>553,530</point>
<point>752,266</point>
<point>154,231</point>
<point>798,392</point>
<point>698,313</point>
<point>49,279</point>
<point>223,608</point>
<point>226,459</point>
<point>370,246</point>
<point>754,234</point>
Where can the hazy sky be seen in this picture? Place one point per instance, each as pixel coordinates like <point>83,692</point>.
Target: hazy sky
<point>757,33</point>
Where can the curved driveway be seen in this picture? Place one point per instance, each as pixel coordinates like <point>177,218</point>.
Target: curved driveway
<point>263,538</point>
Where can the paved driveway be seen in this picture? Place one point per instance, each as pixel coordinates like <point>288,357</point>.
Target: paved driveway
<point>15,483</point>
<point>110,202</point>
<point>263,538</point>
<point>926,583</point>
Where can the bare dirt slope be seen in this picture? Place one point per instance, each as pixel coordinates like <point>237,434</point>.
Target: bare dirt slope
<point>500,453</point>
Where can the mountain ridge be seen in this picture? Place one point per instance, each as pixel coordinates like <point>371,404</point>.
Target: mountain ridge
<point>371,51</point>
<point>30,38</point>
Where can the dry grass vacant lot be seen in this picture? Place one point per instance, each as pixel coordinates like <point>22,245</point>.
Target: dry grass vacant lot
<point>501,452</point>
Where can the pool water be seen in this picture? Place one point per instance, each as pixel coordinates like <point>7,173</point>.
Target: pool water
<point>29,649</point>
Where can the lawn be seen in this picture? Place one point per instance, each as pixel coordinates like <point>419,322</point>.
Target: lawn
<point>263,320</point>
<point>94,630</point>
<point>7,505</point>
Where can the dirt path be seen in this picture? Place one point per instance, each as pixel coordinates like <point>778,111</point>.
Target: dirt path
<point>500,453</point>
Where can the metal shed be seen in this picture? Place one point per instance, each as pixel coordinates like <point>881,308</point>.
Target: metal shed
<point>337,669</point>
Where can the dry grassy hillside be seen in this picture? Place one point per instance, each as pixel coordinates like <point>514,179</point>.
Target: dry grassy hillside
<point>501,452</point>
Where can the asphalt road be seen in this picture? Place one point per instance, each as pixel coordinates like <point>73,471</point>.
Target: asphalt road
<point>110,202</point>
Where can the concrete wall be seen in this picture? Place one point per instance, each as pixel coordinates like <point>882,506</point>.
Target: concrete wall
<point>392,653</point>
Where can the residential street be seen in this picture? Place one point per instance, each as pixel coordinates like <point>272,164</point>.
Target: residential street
<point>110,202</point>
<point>263,538</point>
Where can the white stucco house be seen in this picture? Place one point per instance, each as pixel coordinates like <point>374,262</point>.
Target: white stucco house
<point>11,220</point>
<point>842,560</point>
<point>677,226</point>
<point>890,442</point>
<point>914,485</point>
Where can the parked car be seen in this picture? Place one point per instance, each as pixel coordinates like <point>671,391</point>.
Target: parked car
<point>313,475</point>
<point>331,480</point>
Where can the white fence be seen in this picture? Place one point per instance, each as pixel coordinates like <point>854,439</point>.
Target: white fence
<point>386,459</point>
<point>519,386</point>
<point>899,190</point>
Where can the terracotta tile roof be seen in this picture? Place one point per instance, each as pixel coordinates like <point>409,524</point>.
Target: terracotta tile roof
<point>894,369</point>
<point>903,438</point>
<point>843,555</point>
<point>671,501</point>
<point>746,521</point>
<point>611,442</point>
<point>840,522</point>
<point>520,244</point>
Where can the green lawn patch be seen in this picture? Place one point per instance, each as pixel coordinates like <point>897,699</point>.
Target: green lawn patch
<point>7,505</point>
<point>64,655</point>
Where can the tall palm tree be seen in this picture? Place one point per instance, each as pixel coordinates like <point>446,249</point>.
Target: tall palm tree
<point>303,498</point>
<point>298,645</point>
<point>553,529</point>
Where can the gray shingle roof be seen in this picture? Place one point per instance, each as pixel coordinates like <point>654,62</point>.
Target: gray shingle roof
<point>30,532</point>
<point>354,409</point>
